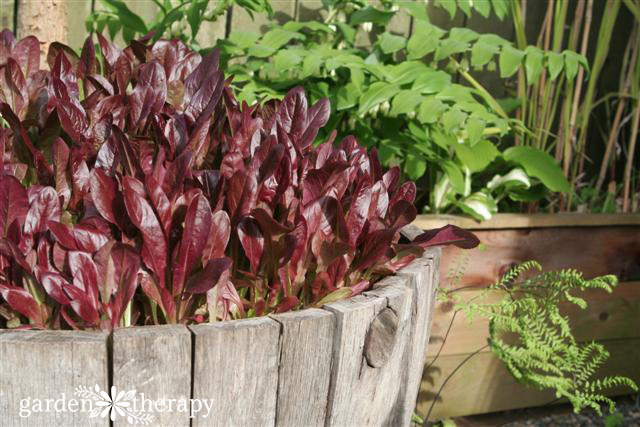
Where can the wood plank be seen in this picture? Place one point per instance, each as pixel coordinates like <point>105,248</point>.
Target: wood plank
<point>362,394</point>
<point>484,385</point>
<point>6,14</point>
<point>45,364</point>
<point>236,364</point>
<point>541,220</point>
<point>422,278</point>
<point>607,316</point>
<point>77,13</point>
<point>156,361</point>
<point>305,367</point>
<point>594,252</point>
<point>44,19</point>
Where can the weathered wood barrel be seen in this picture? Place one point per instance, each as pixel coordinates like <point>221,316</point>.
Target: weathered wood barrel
<point>356,362</point>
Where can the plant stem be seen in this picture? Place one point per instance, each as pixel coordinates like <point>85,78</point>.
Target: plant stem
<point>629,166</point>
<point>435,399</point>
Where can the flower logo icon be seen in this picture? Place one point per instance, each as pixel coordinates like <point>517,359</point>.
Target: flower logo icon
<point>116,403</point>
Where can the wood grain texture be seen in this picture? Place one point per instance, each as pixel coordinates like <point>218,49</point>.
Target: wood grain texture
<point>156,361</point>
<point>593,251</point>
<point>305,367</point>
<point>6,14</point>
<point>44,364</point>
<point>421,276</point>
<point>360,394</point>
<point>607,316</point>
<point>236,364</point>
<point>484,385</point>
<point>541,220</point>
<point>45,19</point>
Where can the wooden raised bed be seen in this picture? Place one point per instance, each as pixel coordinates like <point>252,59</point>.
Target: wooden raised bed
<point>593,244</point>
<point>353,362</point>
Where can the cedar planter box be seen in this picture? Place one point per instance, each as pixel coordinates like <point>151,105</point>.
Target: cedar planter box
<point>353,362</point>
<point>593,244</point>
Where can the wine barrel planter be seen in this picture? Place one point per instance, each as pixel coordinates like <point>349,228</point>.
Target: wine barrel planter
<point>595,244</point>
<point>353,362</point>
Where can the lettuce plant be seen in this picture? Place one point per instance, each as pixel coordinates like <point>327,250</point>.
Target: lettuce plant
<point>136,189</point>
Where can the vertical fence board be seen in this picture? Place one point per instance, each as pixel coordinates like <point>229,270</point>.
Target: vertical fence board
<point>156,361</point>
<point>305,367</point>
<point>369,345</point>
<point>6,14</point>
<point>44,364</point>
<point>236,364</point>
<point>77,13</point>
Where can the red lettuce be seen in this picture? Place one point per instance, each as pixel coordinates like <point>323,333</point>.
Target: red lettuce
<point>135,189</point>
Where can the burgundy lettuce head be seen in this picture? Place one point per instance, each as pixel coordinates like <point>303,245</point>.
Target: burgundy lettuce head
<point>135,189</point>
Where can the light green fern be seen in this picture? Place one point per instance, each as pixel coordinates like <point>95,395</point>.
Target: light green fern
<point>533,338</point>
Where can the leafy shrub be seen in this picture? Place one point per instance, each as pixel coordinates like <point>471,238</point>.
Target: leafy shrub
<point>401,95</point>
<point>137,172</point>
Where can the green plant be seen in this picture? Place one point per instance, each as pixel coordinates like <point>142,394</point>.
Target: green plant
<point>532,336</point>
<point>172,20</point>
<point>126,201</point>
<point>400,95</point>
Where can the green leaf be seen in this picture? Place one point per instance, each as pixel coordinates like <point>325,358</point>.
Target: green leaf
<point>406,72</point>
<point>416,9</point>
<point>278,37</point>
<point>415,166</point>
<point>516,178</point>
<point>127,17</point>
<point>450,47</point>
<point>424,41</point>
<point>475,128</point>
<point>449,6</point>
<point>443,140</point>
<point>430,110</point>
<point>572,61</point>
<point>500,8</point>
<point>337,295</point>
<point>260,51</point>
<point>311,64</point>
<point>453,119</point>
<point>243,39</point>
<point>348,31</point>
<point>465,6</point>
<point>431,81</point>
<point>533,64</point>
<point>483,7</point>
<point>285,60</point>
<point>479,205</point>
<point>540,165</point>
<point>510,60</point>
<point>555,63</point>
<point>377,93</point>
<point>347,96</point>
<point>370,14</point>
<point>476,157</point>
<point>464,35</point>
<point>405,101</point>
<point>357,77</point>
<point>454,174</point>
<point>390,43</point>
<point>482,52</point>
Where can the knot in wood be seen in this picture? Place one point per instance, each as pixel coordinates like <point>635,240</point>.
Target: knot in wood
<point>381,338</point>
